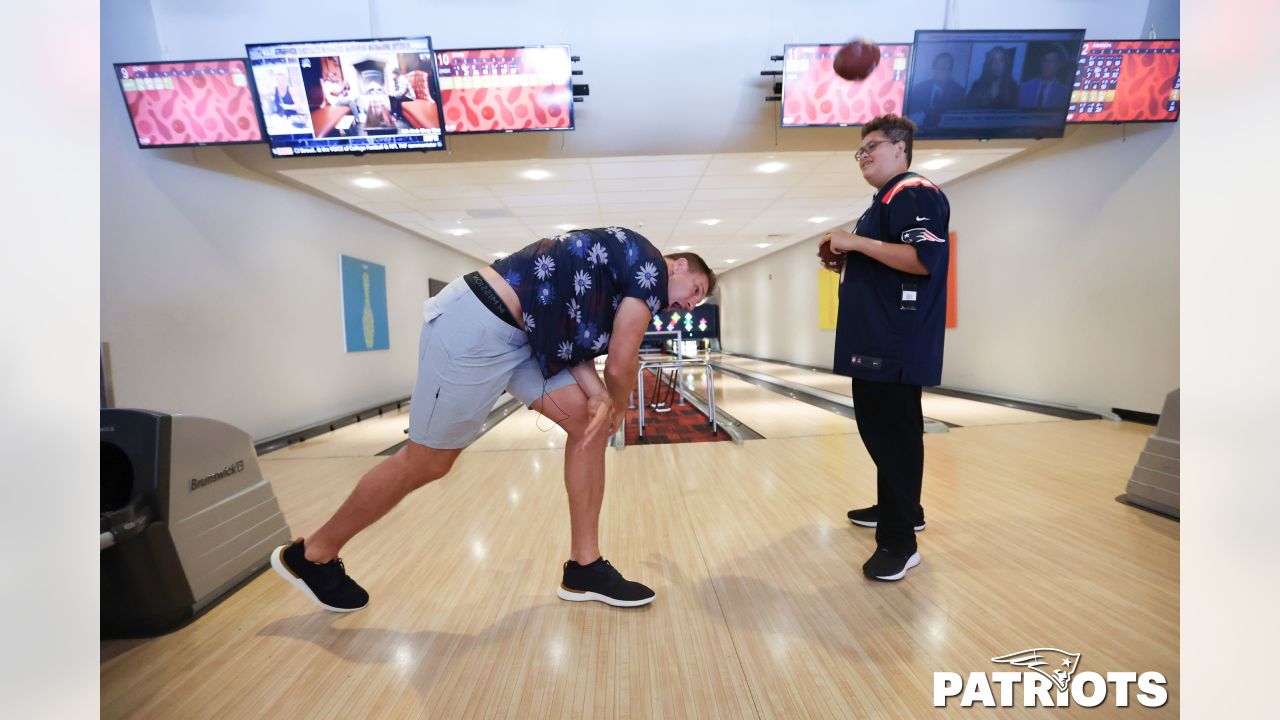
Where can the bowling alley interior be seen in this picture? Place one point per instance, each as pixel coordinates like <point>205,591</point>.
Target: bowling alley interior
<point>285,190</point>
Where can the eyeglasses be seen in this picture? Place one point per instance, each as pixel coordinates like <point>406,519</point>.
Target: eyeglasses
<point>870,148</point>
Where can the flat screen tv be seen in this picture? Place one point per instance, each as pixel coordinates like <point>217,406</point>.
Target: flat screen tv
<point>814,96</point>
<point>1126,81</point>
<point>511,89</point>
<point>348,96</point>
<point>193,102</point>
<point>987,84</point>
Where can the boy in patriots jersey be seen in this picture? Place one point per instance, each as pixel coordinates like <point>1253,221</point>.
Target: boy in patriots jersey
<point>889,331</point>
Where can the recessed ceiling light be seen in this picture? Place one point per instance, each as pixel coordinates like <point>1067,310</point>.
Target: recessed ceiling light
<point>458,232</point>
<point>566,227</point>
<point>818,219</point>
<point>937,164</point>
<point>682,248</point>
<point>770,167</point>
<point>536,174</point>
<point>763,245</point>
<point>710,221</point>
<point>499,255</point>
<point>369,182</point>
<point>731,261</point>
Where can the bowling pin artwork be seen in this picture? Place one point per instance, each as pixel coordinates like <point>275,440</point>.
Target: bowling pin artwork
<point>367,315</point>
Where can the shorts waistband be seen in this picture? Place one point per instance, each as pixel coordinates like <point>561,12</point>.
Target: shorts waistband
<point>489,298</point>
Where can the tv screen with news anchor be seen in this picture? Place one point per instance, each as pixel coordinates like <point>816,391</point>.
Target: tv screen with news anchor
<point>192,102</point>
<point>348,96</point>
<point>814,96</point>
<point>507,89</point>
<point>1127,81</point>
<point>989,84</point>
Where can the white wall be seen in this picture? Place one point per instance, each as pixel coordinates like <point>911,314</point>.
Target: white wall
<point>1068,266</point>
<point>769,308</point>
<point>1068,277</point>
<point>220,289</point>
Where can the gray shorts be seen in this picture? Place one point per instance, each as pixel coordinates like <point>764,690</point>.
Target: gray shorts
<point>466,357</point>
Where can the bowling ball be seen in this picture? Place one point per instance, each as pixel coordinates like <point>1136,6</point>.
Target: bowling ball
<point>856,59</point>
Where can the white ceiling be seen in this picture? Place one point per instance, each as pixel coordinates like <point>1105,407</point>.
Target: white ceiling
<point>668,199</point>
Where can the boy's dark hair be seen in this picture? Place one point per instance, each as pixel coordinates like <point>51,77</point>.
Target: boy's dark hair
<point>895,127</point>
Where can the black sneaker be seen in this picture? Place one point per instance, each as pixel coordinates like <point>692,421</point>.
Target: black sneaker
<point>601,581</point>
<point>327,584</point>
<point>887,566</point>
<point>870,517</point>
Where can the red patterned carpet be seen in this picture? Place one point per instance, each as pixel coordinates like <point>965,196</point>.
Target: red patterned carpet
<point>684,423</point>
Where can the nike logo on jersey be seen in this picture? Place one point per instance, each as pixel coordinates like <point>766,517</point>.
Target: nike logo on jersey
<point>920,219</point>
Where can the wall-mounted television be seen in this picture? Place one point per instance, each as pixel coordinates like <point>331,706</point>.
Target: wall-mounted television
<point>986,84</point>
<point>348,96</point>
<point>193,102</point>
<point>814,96</point>
<point>510,89</point>
<point>1127,81</point>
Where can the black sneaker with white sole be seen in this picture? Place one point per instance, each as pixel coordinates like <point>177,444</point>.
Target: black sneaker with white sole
<point>870,517</point>
<point>601,581</point>
<point>326,584</point>
<point>888,566</point>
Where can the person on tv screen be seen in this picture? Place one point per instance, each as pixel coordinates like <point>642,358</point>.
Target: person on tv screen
<point>995,88</point>
<point>401,92</point>
<point>337,93</point>
<point>1046,90</point>
<point>530,324</point>
<point>930,98</point>
<point>282,102</point>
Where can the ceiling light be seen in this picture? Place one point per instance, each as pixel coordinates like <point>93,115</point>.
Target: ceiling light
<point>682,248</point>
<point>763,245</point>
<point>566,227</point>
<point>937,164</point>
<point>770,167</point>
<point>818,219</point>
<point>731,261</point>
<point>458,232</point>
<point>710,221</point>
<point>536,174</point>
<point>499,255</point>
<point>369,182</point>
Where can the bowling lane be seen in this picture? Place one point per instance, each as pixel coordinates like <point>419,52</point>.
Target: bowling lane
<point>956,411</point>
<point>362,439</point>
<point>771,414</point>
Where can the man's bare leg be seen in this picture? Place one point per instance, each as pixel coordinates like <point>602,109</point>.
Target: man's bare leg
<point>583,470</point>
<point>381,489</point>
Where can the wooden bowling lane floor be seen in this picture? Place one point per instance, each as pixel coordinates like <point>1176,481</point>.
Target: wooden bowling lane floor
<point>367,437</point>
<point>761,609</point>
<point>953,410</point>
<point>769,413</point>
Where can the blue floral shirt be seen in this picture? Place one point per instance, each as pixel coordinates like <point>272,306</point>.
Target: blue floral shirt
<point>570,287</point>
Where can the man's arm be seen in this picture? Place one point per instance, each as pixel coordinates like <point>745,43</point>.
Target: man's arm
<point>629,325</point>
<point>607,400</point>
<point>587,377</point>
<point>898,256</point>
